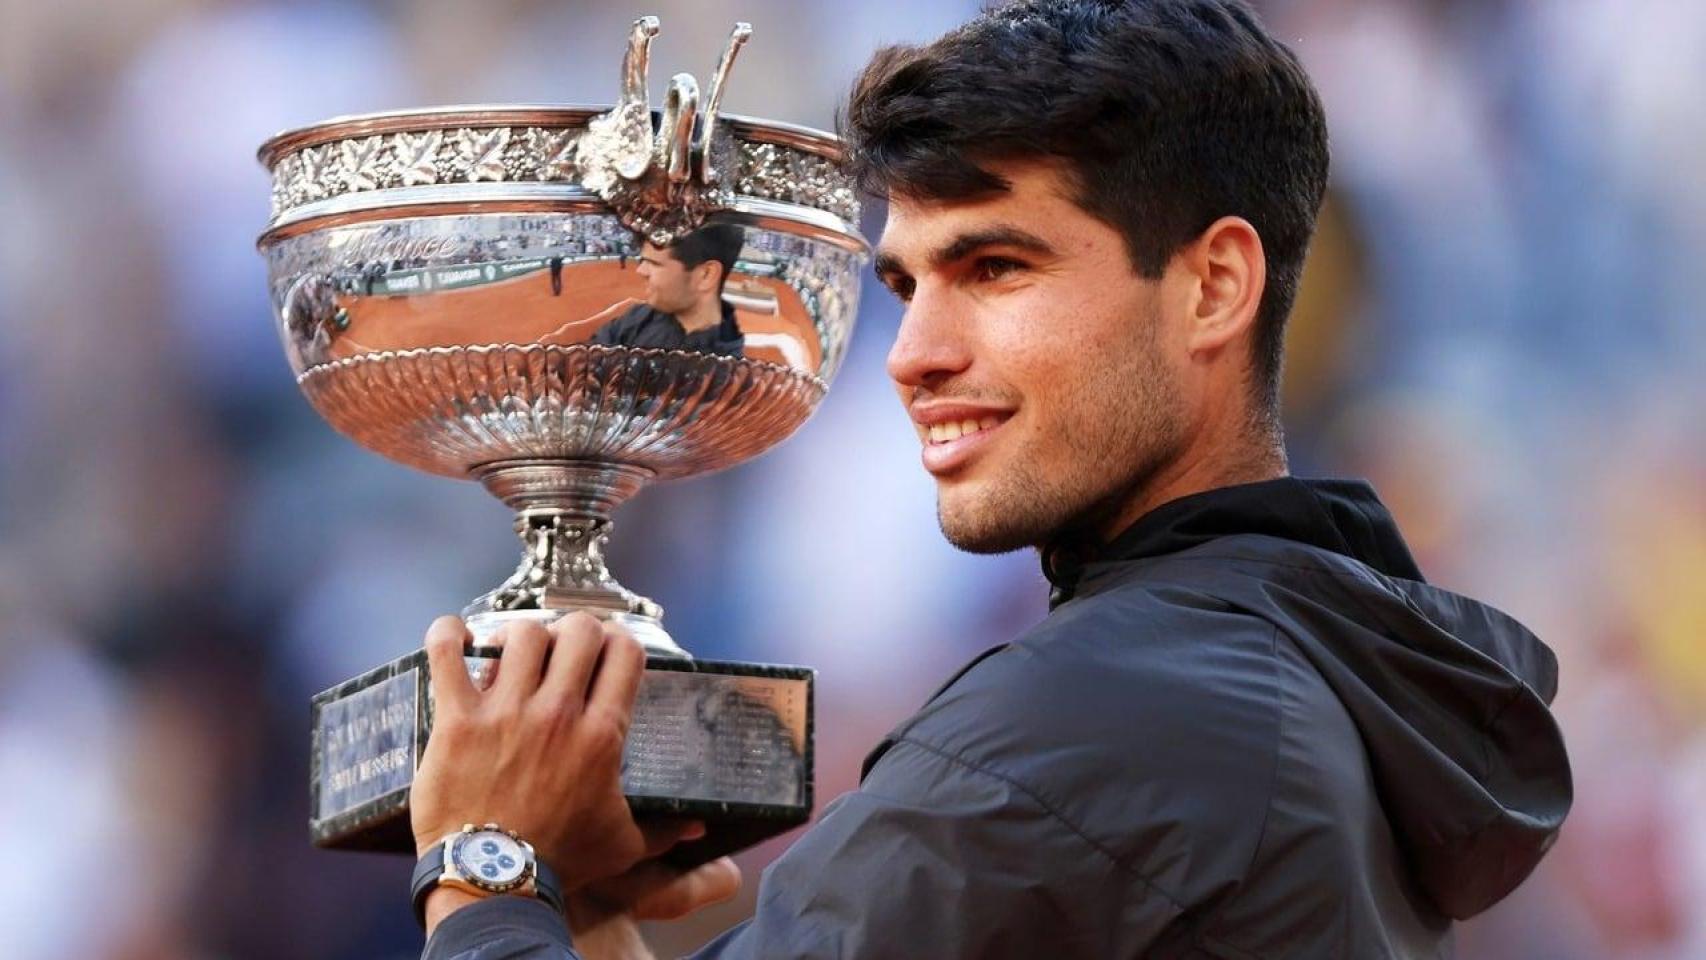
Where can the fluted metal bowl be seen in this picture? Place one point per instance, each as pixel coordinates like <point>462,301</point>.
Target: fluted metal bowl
<point>437,275</point>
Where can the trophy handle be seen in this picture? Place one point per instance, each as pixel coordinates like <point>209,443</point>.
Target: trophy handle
<point>637,61</point>
<point>713,103</point>
<point>629,127</point>
<point>660,188</point>
<point>675,137</point>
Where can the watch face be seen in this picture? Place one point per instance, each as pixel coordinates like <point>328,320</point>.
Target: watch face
<point>489,858</point>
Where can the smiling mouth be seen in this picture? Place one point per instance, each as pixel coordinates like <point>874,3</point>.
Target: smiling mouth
<point>941,433</point>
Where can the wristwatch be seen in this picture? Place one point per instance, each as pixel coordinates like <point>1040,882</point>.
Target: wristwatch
<point>484,861</point>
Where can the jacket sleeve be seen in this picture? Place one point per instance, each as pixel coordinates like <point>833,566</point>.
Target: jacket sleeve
<point>501,928</point>
<point>935,855</point>
<point>939,856</point>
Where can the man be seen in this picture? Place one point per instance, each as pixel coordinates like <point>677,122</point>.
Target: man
<point>684,308</point>
<point>1248,727</point>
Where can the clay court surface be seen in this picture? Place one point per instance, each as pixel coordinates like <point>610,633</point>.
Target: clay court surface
<point>525,309</point>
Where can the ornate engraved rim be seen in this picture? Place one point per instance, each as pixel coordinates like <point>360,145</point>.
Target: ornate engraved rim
<point>365,162</point>
<point>662,172</point>
<point>483,115</point>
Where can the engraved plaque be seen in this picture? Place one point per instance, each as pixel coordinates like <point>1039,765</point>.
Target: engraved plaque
<point>720,738</point>
<point>729,742</point>
<point>366,744</point>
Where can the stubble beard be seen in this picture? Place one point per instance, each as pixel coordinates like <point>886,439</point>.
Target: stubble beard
<point>1100,464</point>
<point>672,305</point>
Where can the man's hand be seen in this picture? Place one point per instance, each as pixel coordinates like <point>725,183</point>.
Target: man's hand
<point>540,752</point>
<point>604,915</point>
<point>656,891</point>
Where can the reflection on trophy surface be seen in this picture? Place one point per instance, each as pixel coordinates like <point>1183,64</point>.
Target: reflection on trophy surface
<point>566,304</point>
<point>684,307</point>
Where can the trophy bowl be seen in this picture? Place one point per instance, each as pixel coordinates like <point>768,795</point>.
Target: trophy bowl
<point>565,304</point>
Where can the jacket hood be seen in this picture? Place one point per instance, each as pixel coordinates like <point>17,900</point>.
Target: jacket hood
<point>1451,696</point>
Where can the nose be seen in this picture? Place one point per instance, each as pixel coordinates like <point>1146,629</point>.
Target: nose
<point>931,345</point>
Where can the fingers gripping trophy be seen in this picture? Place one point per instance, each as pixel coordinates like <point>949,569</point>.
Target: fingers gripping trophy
<point>566,304</point>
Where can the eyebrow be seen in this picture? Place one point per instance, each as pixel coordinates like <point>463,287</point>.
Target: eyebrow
<point>964,245</point>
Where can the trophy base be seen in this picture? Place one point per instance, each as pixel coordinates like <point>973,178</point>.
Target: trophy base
<point>729,744</point>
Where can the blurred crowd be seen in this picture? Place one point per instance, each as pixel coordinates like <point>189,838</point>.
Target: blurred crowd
<point>1498,328</point>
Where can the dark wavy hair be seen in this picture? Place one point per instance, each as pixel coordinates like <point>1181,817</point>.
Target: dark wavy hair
<point>1165,114</point>
<point>721,242</point>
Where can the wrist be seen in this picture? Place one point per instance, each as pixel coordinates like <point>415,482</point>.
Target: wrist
<point>427,839</point>
<point>474,863</point>
<point>441,902</point>
<point>424,844</point>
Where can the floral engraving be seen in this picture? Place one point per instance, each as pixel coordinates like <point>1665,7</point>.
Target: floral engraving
<point>481,153</point>
<point>365,162</point>
<point>312,176</point>
<point>764,171</point>
<point>555,151</point>
<point>417,156</point>
<point>549,155</point>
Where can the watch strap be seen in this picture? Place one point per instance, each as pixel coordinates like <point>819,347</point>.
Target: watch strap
<point>546,886</point>
<point>427,871</point>
<point>430,867</point>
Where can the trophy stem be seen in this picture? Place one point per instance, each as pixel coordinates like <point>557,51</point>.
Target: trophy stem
<point>562,514</point>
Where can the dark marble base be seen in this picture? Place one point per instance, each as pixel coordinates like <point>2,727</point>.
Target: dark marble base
<point>726,743</point>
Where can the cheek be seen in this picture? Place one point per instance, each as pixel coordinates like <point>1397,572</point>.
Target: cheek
<point>1080,363</point>
<point>1045,344</point>
<point>1039,371</point>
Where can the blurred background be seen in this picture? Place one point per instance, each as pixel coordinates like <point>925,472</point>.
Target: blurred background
<point>1499,329</point>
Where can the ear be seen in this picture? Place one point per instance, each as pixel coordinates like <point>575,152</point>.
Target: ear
<point>1229,272</point>
<point>706,276</point>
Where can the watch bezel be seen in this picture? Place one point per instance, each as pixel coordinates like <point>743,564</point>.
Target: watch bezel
<point>453,871</point>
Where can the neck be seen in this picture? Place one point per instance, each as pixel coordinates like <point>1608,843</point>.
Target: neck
<point>1254,456</point>
<point>707,312</point>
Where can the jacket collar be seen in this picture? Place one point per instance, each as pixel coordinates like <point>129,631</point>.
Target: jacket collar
<point>1343,516</point>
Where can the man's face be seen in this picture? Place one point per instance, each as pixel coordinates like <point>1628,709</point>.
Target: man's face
<point>1037,365</point>
<point>669,284</point>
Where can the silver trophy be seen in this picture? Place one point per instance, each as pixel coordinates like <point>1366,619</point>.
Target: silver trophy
<point>566,304</point>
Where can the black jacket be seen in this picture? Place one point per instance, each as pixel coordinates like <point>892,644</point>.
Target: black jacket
<point>1247,729</point>
<point>643,325</point>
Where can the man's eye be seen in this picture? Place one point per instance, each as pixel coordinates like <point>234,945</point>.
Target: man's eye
<point>901,287</point>
<point>995,268</point>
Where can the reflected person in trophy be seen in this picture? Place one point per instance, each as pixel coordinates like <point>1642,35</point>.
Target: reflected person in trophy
<point>684,307</point>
